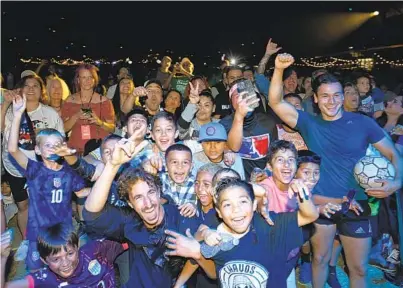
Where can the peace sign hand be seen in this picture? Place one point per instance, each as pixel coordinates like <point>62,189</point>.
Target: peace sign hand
<point>194,93</point>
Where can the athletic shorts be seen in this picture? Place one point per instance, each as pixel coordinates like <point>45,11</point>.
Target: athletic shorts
<point>351,225</point>
<point>17,186</point>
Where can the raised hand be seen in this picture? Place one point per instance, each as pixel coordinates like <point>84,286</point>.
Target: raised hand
<point>140,91</point>
<point>263,209</point>
<point>125,150</point>
<point>187,210</point>
<point>284,61</point>
<point>298,188</point>
<point>244,104</point>
<point>194,93</point>
<point>272,48</point>
<point>19,104</point>
<point>9,95</point>
<point>63,150</point>
<point>181,245</point>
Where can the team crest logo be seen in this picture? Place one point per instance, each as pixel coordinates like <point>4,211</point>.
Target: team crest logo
<point>94,267</point>
<point>57,182</point>
<point>35,255</point>
<point>241,274</point>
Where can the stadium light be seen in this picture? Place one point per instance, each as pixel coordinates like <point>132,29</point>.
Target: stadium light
<point>375,13</point>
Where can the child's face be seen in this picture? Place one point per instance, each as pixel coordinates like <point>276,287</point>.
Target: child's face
<point>309,173</point>
<point>5,189</point>
<point>204,187</point>
<point>179,164</point>
<point>45,147</point>
<point>63,263</point>
<point>214,150</point>
<point>163,133</point>
<point>235,207</point>
<point>137,123</point>
<point>283,166</point>
<point>363,85</point>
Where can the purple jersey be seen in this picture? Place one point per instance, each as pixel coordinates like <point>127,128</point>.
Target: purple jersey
<point>94,270</point>
<point>49,195</point>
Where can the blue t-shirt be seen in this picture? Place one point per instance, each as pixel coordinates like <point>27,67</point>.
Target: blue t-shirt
<point>260,258</point>
<point>148,265</point>
<point>340,143</point>
<point>50,194</point>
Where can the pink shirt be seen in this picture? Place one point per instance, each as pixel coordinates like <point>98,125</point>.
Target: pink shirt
<point>279,201</point>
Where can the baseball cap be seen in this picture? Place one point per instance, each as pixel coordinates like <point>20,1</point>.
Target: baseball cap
<point>26,73</point>
<point>212,132</point>
<point>389,96</point>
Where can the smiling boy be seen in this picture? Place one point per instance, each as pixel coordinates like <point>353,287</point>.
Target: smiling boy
<point>260,253</point>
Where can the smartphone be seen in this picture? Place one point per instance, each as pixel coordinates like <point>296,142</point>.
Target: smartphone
<point>346,205</point>
<point>247,86</point>
<point>86,110</point>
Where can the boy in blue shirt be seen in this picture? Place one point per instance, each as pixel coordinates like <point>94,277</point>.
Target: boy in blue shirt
<point>50,184</point>
<point>258,256</point>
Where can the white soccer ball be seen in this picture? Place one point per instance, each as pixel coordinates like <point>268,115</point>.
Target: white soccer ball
<point>371,168</point>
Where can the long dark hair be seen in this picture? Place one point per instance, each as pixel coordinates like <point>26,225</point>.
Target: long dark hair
<point>383,119</point>
<point>116,102</point>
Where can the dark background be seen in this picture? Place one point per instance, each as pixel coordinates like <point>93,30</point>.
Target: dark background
<point>201,30</point>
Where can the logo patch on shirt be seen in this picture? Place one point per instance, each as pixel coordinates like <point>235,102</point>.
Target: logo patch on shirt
<point>94,267</point>
<point>35,255</point>
<point>57,182</point>
<point>236,274</point>
<point>255,147</point>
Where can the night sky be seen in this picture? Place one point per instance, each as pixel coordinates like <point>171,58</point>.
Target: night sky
<point>200,29</point>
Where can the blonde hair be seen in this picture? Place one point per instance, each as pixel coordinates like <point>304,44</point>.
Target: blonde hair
<point>65,88</point>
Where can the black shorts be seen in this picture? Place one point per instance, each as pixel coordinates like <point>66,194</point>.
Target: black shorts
<point>355,228</point>
<point>17,186</point>
<point>351,225</point>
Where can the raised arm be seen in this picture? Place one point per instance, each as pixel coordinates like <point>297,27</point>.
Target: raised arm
<point>19,106</point>
<point>284,110</point>
<point>271,49</point>
<point>123,152</point>
<point>307,211</point>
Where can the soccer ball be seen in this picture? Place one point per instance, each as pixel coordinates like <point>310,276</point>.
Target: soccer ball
<point>371,168</point>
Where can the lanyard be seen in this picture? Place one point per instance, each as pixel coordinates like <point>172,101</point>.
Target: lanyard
<point>89,103</point>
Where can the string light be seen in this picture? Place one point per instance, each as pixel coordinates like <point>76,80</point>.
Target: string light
<point>315,62</point>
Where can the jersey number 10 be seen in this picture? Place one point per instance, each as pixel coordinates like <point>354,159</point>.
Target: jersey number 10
<point>57,195</point>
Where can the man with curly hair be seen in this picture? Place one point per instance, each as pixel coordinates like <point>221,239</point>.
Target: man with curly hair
<point>143,226</point>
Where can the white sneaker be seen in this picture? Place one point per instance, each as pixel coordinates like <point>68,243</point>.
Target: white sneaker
<point>22,251</point>
<point>394,257</point>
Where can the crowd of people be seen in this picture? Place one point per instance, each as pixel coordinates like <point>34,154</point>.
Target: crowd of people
<point>181,182</point>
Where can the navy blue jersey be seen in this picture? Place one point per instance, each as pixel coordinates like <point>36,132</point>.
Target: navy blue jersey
<point>210,219</point>
<point>50,195</point>
<point>260,258</point>
<point>148,265</point>
<point>95,268</point>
